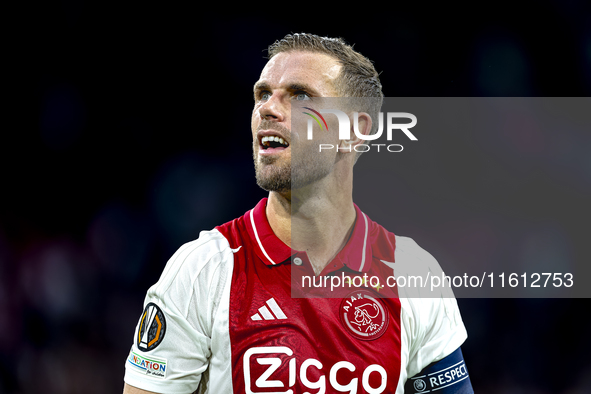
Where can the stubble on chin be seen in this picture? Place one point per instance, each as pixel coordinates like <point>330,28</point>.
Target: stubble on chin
<point>305,167</point>
<point>271,177</point>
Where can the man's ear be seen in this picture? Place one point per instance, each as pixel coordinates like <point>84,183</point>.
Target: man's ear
<point>360,126</point>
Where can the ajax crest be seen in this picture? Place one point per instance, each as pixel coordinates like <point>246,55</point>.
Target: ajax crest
<point>363,315</point>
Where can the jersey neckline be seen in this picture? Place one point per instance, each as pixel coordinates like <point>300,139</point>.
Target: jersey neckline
<point>356,255</point>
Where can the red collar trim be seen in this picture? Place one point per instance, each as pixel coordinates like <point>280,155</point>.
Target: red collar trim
<point>356,255</point>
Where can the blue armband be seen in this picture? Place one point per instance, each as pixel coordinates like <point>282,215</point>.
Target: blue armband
<point>446,376</point>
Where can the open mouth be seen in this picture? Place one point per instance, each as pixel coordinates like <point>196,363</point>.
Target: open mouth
<point>273,142</point>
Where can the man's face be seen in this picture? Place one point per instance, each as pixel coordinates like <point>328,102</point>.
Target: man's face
<point>289,76</point>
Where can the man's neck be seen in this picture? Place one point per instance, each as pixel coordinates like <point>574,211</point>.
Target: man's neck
<point>319,225</point>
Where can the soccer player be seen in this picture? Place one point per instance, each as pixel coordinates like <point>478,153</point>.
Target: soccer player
<point>223,317</point>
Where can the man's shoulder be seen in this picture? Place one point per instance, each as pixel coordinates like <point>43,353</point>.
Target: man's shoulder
<point>412,258</point>
<point>386,244</point>
<point>380,235</point>
<point>234,231</point>
<point>222,238</point>
<point>408,248</point>
<point>422,272</point>
<point>208,243</point>
<point>409,260</point>
<point>211,248</point>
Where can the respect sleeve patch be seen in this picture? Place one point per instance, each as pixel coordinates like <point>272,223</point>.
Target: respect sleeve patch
<point>447,376</point>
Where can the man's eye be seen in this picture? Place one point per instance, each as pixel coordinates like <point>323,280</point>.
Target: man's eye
<point>265,96</point>
<point>302,96</point>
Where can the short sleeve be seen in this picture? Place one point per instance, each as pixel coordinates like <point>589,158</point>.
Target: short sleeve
<point>437,331</point>
<point>431,320</point>
<point>172,341</point>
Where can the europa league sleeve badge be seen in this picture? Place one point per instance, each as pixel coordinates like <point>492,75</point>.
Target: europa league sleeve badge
<point>152,327</point>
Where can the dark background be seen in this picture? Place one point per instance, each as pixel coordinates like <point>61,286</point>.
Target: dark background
<point>127,131</point>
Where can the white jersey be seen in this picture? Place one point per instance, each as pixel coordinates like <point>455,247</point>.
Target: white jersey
<point>224,317</point>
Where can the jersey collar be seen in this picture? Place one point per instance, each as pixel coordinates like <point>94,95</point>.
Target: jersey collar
<point>269,248</point>
<point>356,255</point>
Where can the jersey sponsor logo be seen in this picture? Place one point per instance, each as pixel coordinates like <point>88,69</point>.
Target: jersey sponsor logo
<point>363,315</point>
<point>275,369</point>
<point>153,366</point>
<point>151,329</point>
<point>266,314</point>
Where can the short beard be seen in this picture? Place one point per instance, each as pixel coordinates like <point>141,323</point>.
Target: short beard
<point>271,178</point>
<point>308,169</point>
<point>275,180</point>
<point>289,177</point>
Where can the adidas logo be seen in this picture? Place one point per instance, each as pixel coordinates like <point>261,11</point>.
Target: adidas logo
<point>266,314</point>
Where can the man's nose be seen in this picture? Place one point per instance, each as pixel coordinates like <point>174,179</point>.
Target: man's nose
<point>273,109</point>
